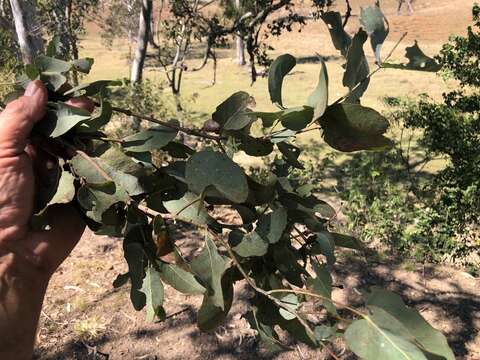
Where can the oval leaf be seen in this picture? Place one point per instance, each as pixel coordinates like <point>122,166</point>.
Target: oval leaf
<point>319,98</point>
<point>278,70</point>
<point>381,336</point>
<point>152,287</point>
<point>61,119</point>
<point>352,127</point>
<point>209,168</point>
<point>232,114</point>
<point>148,140</point>
<point>297,118</point>
<point>180,279</point>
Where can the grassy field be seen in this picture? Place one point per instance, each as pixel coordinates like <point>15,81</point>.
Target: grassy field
<point>313,40</point>
<point>200,97</point>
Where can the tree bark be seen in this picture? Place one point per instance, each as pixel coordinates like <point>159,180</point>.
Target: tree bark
<point>27,29</point>
<point>240,44</point>
<point>142,41</point>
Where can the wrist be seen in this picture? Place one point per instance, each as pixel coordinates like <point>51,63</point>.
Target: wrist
<point>18,273</point>
<point>22,289</point>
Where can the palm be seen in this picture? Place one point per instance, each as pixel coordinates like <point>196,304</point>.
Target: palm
<point>44,249</point>
<point>16,196</point>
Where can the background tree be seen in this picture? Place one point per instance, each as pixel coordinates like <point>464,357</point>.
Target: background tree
<point>124,25</point>
<point>239,43</point>
<point>28,31</point>
<point>143,36</point>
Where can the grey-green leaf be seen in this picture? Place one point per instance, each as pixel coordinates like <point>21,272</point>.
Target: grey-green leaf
<point>278,70</point>
<point>209,168</point>
<point>354,117</point>
<point>290,301</point>
<point>356,69</point>
<point>83,65</point>
<point>134,256</point>
<point>49,65</point>
<point>210,266</point>
<point>326,244</point>
<point>431,339</point>
<point>340,38</point>
<point>266,332</point>
<point>96,199</point>
<point>417,60</point>
<point>272,225</point>
<point>381,336</point>
<point>319,97</point>
<point>347,241</point>
<point>98,120</point>
<point>322,285</point>
<point>61,119</point>
<point>118,166</point>
<point>65,190</point>
<point>152,287</point>
<point>210,315</point>
<point>92,88</point>
<point>180,279</point>
<point>151,139</point>
<point>352,127</point>
<point>232,114</point>
<point>256,146</point>
<point>248,245</point>
<point>189,208</point>
<point>373,21</point>
<point>297,118</point>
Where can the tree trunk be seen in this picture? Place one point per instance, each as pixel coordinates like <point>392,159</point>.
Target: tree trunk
<point>240,50</point>
<point>27,29</point>
<point>142,41</point>
<point>240,44</point>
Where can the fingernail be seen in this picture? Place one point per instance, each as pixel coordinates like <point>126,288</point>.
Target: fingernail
<point>32,88</point>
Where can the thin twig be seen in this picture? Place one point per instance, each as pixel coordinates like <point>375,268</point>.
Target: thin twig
<point>348,13</point>
<point>189,131</point>
<point>331,353</point>
<point>300,353</point>
<point>177,313</point>
<point>308,293</point>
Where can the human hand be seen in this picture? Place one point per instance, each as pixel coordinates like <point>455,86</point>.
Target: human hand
<point>20,165</point>
<point>27,258</point>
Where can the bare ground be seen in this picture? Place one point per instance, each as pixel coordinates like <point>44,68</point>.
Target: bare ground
<point>84,315</point>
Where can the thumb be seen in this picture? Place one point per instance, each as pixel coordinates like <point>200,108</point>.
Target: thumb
<point>19,117</point>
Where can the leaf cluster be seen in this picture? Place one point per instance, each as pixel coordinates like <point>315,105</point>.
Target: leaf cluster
<point>281,246</point>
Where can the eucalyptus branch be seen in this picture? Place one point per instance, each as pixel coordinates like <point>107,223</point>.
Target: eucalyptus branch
<point>188,131</point>
<point>252,284</point>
